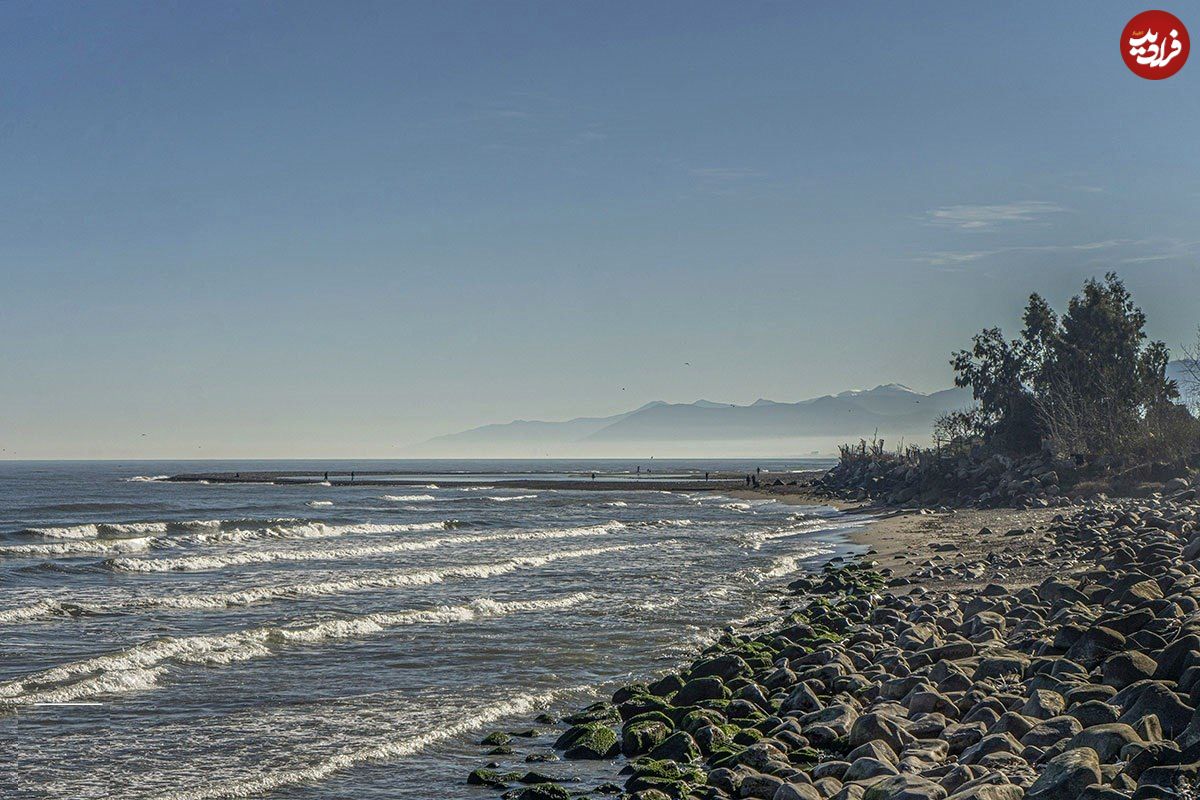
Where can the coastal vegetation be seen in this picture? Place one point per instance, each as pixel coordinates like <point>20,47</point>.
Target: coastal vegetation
<point>1079,402</point>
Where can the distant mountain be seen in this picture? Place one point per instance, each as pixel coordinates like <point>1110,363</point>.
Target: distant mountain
<point>708,428</point>
<point>892,409</point>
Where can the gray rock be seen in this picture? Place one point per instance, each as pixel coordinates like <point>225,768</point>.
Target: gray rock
<point>1005,791</point>
<point>866,767</point>
<point>1051,731</point>
<point>904,787</point>
<point>1106,740</point>
<point>1066,776</point>
<point>1122,669</point>
<point>797,791</point>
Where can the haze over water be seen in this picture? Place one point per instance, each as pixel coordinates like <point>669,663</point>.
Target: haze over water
<point>170,640</point>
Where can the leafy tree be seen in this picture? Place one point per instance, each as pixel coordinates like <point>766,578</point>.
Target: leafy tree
<point>1090,375</point>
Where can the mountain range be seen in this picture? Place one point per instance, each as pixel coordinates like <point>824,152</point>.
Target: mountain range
<point>765,427</point>
<point>891,409</point>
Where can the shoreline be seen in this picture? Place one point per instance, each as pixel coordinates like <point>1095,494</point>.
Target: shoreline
<point>901,539</point>
<point>968,655</point>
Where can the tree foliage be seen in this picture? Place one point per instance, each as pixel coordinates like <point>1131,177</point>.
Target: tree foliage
<point>1083,379</point>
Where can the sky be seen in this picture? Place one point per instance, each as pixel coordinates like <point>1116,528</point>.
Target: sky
<point>298,229</point>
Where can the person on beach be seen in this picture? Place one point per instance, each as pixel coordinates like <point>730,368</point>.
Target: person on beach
<point>352,476</point>
<point>747,480</point>
<point>706,477</point>
<point>327,477</point>
<point>593,476</point>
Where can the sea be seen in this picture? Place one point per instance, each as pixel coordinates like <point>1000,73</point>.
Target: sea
<point>304,640</point>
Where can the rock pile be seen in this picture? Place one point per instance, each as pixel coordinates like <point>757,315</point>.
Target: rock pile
<point>1084,686</point>
<point>979,481</point>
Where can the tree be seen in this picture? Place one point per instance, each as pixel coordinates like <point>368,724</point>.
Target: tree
<point>1087,380</point>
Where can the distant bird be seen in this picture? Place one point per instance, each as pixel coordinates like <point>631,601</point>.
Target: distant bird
<point>687,363</point>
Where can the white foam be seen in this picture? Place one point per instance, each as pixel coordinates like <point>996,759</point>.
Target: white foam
<point>203,562</point>
<point>127,680</point>
<point>106,538</point>
<point>145,478</point>
<point>408,498</point>
<point>99,530</point>
<point>319,503</point>
<point>138,667</point>
<point>300,529</point>
<point>385,750</point>
<point>757,539</point>
<point>785,565</point>
<point>376,579</point>
<point>511,498</point>
<point>81,547</point>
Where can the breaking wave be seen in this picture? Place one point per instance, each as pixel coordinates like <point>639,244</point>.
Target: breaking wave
<point>117,538</point>
<point>81,547</point>
<point>380,579</point>
<point>408,498</point>
<point>386,750</point>
<point>203,562</point>
<point>140,666</point>
<point>756,539</point>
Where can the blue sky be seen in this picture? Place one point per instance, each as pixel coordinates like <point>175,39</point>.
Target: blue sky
<point>334,229</point>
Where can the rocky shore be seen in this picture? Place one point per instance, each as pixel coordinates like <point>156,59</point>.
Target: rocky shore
<point>990,480</point>
<point>1067,669</point>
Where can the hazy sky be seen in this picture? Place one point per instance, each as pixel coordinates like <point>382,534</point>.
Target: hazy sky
<point>334,229</point>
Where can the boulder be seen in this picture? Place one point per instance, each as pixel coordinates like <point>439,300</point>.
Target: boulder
<point>1066,776</point>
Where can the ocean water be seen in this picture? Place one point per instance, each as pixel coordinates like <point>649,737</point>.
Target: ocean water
<point>187,640</point>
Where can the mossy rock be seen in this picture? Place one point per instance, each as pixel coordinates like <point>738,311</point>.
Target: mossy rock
<point>651,716</point>
<point>725,757</point>
<point>747,736</point>
<point>627,691</point>
<point>679,747</point>
<point>700,718</point>
<point>596,712</point>
<point>640,704</point>
<point>533,778</point>
<point>639,738</point>
<point>487,777</point>
<point>541,791</point>
<point>669,770</point>
<point>675,780</point>
<point>698,689</point>
<point>805,756</point>
<point>496,738</point>
<point>714,705</point>
<point>590,740</point>
<point>666,685</point>
<point>650,794</point>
